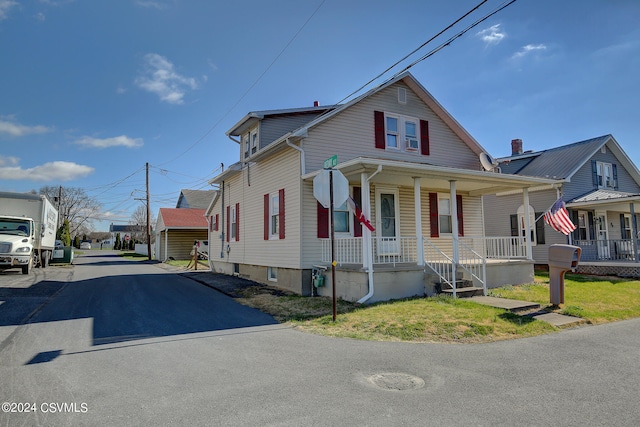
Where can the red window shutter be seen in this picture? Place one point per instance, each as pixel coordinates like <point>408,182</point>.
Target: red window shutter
<point>433,214</point>
<point>378,117</point>
<point>237,222</point>
<point>281,212</point>
<point>357,226</point>
<point>211,223</point>
<point>323,222</point>
<point>267,214</point>
<point>424,137</point>
<point>228,220</point>
<point>217,222</point>
<point>460,220</point>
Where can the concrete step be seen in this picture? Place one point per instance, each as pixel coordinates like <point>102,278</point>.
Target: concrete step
<point>464,292</point>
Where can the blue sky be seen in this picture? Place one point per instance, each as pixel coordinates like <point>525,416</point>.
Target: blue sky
<point>91,90</point>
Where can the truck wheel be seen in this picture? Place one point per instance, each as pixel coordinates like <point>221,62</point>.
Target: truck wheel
<point>27,268</point>
<point>44,259</point>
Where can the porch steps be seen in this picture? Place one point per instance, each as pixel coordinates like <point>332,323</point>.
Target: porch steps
<point>464,289</point>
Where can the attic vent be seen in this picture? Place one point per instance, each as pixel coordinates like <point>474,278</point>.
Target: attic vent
<point>603,149</point>
<point>402,95</point>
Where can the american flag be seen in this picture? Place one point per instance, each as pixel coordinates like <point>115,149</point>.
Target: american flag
<point>358,213</point>
<point>558,218</point>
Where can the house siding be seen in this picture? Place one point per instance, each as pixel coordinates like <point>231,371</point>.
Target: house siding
<point>247,189</point>
<point>180,243</point>
<point>498,210</point>
<point>272,128</point>
<point>350,134</point>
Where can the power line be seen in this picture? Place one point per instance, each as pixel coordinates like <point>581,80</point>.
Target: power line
<point>246,92</point>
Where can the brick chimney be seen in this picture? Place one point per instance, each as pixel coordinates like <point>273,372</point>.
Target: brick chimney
<point>516,147</point>
<point>316,103</point>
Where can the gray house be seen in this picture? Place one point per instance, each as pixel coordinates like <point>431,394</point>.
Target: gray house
<point>600,186</point>
<point>411,167</point>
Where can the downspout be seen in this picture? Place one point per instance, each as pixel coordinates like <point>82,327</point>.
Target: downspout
<point>366,205</point>
<point>302,160</point>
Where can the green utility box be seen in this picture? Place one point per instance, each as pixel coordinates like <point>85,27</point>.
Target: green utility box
<point>63,255</point>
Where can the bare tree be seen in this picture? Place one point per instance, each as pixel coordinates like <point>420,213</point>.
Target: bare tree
<point>75,206</point>
<point>139,217</point>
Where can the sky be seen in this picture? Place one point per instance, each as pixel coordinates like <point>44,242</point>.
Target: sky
<point>91,91</point>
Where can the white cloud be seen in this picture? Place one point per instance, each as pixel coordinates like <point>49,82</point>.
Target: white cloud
<point>52,171</point>
<point>11,161</point>
<point>16,129</point>
<point>492,35</point>
<point>5,5</point>
<point>161,79</point>
<point>40,17</point>
<point>118,141</point>
<point>528,49</point>
<point>152,4</point>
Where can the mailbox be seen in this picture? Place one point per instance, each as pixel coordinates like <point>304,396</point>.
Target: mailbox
<point>562,258</point>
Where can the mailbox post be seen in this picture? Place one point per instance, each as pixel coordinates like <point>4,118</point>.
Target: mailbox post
<point>562,258</point>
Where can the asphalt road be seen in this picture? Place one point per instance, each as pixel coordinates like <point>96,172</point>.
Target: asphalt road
<point>124,343</point>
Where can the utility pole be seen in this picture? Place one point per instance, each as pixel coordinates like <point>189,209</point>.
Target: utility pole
<point>148,216</point>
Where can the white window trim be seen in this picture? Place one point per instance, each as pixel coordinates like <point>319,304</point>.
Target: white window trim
<point>274,210</point>
<point>253,138</point>
<point>603,180</point>
<point>245,146</point>
<point>233,232</point>
<point>401,134</point>
<point>444,196</point>
<point>272,274</point>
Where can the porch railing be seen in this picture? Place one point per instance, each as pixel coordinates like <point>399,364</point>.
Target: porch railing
<point>474,264</point>
<point>511,247</point>
<point>386,250</point>
<point>607,250</point>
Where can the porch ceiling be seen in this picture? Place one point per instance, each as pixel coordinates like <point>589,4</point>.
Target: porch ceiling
<point>399,173</point>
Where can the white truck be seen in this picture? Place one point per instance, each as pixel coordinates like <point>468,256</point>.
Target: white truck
<point>28,225</point>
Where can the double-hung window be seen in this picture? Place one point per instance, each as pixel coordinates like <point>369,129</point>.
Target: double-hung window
<point>402,133</point>
<point>605,175</point>
<point>341,219</point>
<point>254,142</point>
<point>234,223</point>
<point>245,144</point>
<point>274,216</point>
<point>444,215</point>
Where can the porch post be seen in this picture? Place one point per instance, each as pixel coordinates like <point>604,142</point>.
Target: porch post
<point>366,210</point>
<point>527,223</point>
<point>418,215</point>
<point>634,231</point>
<point>454,230</point>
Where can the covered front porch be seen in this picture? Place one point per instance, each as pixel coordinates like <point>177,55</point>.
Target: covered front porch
<point>607,232</point>
<point>429,232</point>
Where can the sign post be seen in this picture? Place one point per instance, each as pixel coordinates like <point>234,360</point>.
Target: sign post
<point>330,187</point>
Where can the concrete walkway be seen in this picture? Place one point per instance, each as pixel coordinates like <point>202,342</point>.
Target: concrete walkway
<point>525,307</point>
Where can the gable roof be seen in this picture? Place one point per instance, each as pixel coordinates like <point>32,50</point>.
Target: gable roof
<point>564,161</point>
<point>195,199</point>
<point>330,111</point>
<point>183,218</point>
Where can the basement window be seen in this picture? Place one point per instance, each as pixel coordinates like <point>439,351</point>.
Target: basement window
<point>272,274</point>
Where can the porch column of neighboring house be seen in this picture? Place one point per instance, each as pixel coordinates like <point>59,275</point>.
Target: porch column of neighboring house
<point>418,215</point>
<point>634,230</point>
<point>527,223</point>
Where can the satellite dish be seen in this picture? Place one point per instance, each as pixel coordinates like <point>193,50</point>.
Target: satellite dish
<point>488,162</point>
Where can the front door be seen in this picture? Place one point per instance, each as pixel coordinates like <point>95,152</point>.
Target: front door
<point>387,223</point>
<point>601,236</point>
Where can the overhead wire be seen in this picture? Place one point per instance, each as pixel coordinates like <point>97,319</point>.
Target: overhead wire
<point>246,92</point>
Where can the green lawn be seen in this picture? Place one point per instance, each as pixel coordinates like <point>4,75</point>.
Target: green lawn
<point>596,299</point>
<point>444,319</point>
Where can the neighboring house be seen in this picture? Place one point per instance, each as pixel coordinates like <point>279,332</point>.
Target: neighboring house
<point>600,186</point>
<point>411,167</point>
<point>126,232</point>
<point>176,231</point>
<point>195,199</point>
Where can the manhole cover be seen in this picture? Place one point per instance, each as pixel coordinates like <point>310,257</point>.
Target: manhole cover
<point>396,381</point>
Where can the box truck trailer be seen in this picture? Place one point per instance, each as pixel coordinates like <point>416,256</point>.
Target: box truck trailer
<point>28,224</point>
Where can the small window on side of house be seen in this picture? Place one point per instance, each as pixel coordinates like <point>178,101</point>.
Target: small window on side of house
<point>254,142</point>
<point>272,274</point>
<point>444,215</point>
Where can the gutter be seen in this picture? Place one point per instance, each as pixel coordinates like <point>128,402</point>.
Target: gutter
<point>368,296</point>
<point>302,160</point>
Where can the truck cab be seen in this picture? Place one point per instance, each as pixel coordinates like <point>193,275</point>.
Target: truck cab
<point>17,237</point>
